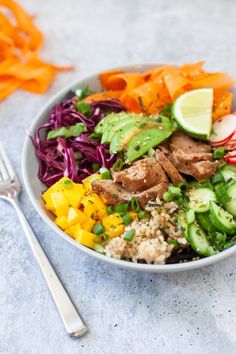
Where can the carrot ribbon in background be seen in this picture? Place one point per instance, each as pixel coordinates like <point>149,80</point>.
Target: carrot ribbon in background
<point>20,45</point>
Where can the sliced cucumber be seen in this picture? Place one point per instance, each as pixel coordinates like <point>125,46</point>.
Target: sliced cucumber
<point>183,223</point>
<point>231,206</point>
<point>223,220</point>
<point>190,216</point>
<point>199,199</point>
<point>205,222</point>
<point>229,172</point>
<point>198,240</point>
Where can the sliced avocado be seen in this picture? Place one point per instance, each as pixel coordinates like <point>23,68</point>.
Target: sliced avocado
<point>145,140</point>
<point>110,118</point>
<point>115,125</point>
<point>123,135</point>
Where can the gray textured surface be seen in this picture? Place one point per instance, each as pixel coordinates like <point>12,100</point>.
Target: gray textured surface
<point>126,312</point>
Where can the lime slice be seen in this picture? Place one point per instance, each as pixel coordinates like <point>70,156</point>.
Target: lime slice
<point>193,112</point>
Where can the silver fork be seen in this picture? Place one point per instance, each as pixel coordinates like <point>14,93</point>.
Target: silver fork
<point>9,191</point>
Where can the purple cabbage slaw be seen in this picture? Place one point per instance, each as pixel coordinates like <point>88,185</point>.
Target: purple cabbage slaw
<point>57,157</point>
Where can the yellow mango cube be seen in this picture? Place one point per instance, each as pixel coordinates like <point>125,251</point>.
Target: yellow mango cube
<point>113,225</point>
<point>90,211</point>
<point>56,187</point>
<point>74,195</point>
<point>60,203</point>
<point>94,206</point>
<point>87,182</point>
<point>75,216</point>
<point>62,222</point>
<point>88,224</point>
<point>73,230</point>
<point>48,200</point>
<point>86,238</point>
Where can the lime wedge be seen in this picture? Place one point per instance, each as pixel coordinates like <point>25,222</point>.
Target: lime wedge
<point>193,111</point>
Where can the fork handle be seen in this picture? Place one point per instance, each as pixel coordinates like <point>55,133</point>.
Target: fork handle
<point>70,317</point>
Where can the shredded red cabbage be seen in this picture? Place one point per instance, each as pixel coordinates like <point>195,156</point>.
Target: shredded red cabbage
<point>57,157</point>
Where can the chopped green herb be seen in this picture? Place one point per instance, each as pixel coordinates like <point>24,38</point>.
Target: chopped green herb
<point>67,132</point>
<point>121,208</point>
<point>67,183</point>
<point>109,210</point>
<point>175,191</point>
<point>218,177</point>
<point>84,108</point>
<point>221,193</point>
<point>135,204</point>
<point>167,196</point>
<point>151,152</point>
<point>219,240</point>
<point>129,235</point>
<point>95,167</point>
<point>180,201</point>
<point>78,155</point>
<point>230,243</point>
<point>171,241</point>
<point>126,219</point>
<point>166,110</point>
<point>99,248</point>
<point>143,214</point>
<point>94,136</point>
<point>84,92</point>
<point>105,173</point>
<point>118,165</point>
<point>98,229</point>
<point>219,153</point>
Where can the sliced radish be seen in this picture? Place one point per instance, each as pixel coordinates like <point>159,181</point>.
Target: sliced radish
<point>231,160</point>
<point>223,142</point>
<point>230,148</point>
<point>231,157</point>
<point>223,128</point>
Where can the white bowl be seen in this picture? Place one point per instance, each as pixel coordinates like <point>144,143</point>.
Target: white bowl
<point>34,189</point>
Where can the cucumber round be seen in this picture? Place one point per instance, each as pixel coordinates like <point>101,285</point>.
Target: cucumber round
<point>229,172</point>
<point>223,220</point>
<point>199,199</point>
<point>204,221</point>
<point>231,206</point>
<point>198,240</point>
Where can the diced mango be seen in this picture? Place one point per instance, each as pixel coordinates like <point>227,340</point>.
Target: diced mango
<point>113,225</point>
<point>73,230</point>
<point>48,200</point>
<point>75,216</point>
<point>94,206</point>
<point>90,211</point>
<point>60,203</point>
<point>74,195</point>
<point>72,191</point>
<point>86,238</point>
<point>88,224</point>
<point>87,182</point>
<point>62,222</point>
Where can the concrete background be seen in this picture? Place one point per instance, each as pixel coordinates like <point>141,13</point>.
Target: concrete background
<point>126,312</point>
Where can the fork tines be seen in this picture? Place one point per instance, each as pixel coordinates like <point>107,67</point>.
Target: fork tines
<point>6,171</point>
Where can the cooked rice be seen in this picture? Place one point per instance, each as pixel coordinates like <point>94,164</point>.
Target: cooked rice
<point>150,241</point>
